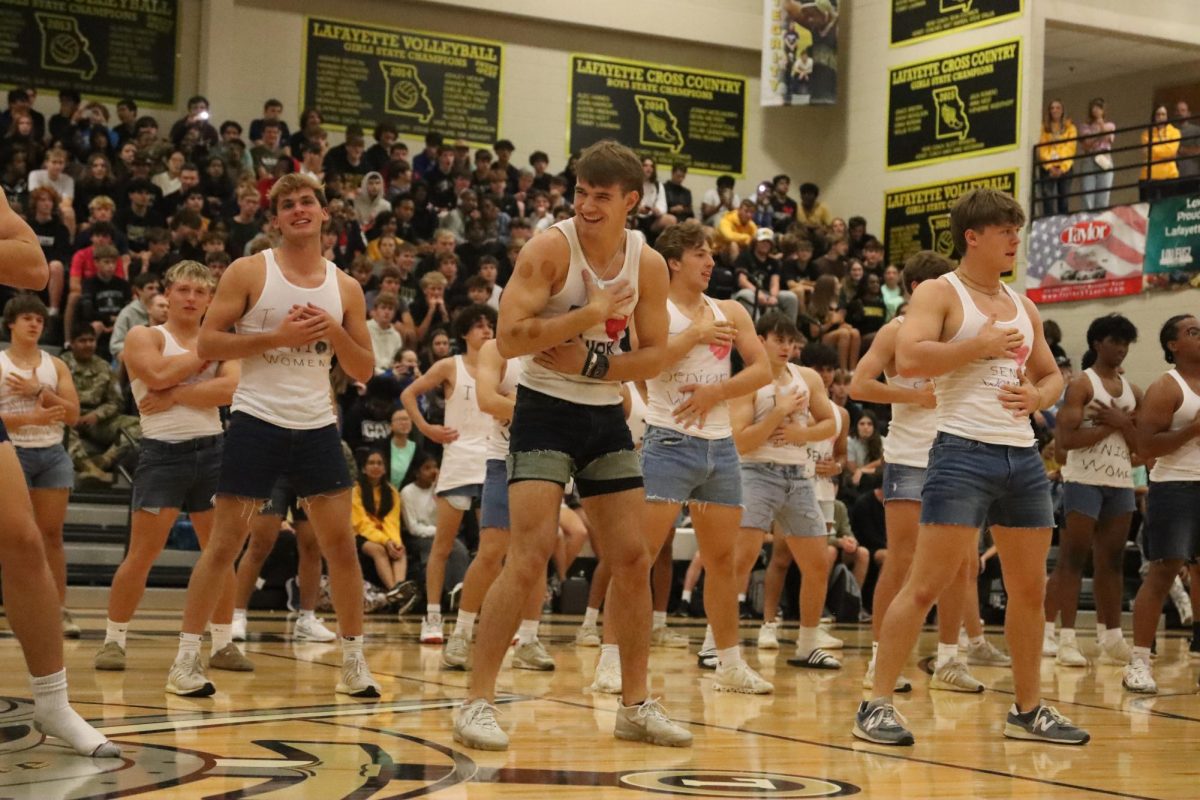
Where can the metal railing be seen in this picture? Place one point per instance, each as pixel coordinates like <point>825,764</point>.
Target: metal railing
<point>1130,158</point>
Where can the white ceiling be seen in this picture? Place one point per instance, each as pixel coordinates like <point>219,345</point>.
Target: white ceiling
<point>1077,55</point>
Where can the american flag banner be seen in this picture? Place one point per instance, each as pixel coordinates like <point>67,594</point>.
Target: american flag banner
<point>1087,255</point>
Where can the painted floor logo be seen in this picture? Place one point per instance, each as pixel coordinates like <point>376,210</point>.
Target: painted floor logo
<point>735,783</point>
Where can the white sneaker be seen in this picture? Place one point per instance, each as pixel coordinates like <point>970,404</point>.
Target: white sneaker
<point>662,636</point>
<point>588,636</point>
<point>1183,603</point>
<point>431,631</point>
<point>608,678</point>
<point>1049,645</point>
<point>649,723</point>
<point>985,655</point>
<point>827,642</point>
<point>188,679</point>
<point>238,627</point>
<point>356,678</point>
<point>475,726</point>
<point>1138,678</point>
<point>1119,653</point>
<point>456,652</point>
<point>1069,655</point>
<point>768,636</point>
<point>532,655</point>
<point>742,679</point>
<point>953,676</point>
<point>312,629</point>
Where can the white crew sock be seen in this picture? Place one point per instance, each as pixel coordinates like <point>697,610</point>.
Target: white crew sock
<point>222,635</point>
<point>709,642</point>
<point>806,641</point>
<point>1111,637</point>
<point>115,632</point>
<point>528,631</point>
<point>686,595</point>
<point>1142,654</point>
<point>1066,637</point>
<point>465,625</point>
<point>53,716</point>
<point>590,616</point>
<point>659,619</point>
<point>730,656</point>
<point>189,645</point>
<point>609,654</point>
<point>945,654</point>
<point>741,597</point>
<point>433,613</point>
<point>308,614</point>
<point>1049,630</point>
<point>352,647</point>
<point>978,641</point>
<point>1100,629</point>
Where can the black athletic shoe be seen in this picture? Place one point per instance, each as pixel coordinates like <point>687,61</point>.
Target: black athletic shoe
<point>817,659</point>
<point>707,659</point>
<point>1043,724</point>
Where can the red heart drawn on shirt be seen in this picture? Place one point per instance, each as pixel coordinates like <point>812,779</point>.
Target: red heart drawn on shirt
<point>721,351</point>
<point>615,327</point>
<point>1022,354</point>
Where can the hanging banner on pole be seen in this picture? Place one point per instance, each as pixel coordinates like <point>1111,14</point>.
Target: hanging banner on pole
<point>917,20</point>
<point>799,53</point>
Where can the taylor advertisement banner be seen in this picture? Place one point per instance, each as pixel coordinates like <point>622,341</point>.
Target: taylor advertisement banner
<point>101,48</point>
<point>1087,255</point>
<point>1173,244</point>
<point>917,20</point>
<point>918,217</point>
<point>671,114</point>
<point>799,53</point>
<point>958,105</point>
<point>418,81</point>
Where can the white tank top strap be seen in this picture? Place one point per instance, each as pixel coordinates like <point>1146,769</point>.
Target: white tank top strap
<point>1182,464</point>
<point>45,373</point>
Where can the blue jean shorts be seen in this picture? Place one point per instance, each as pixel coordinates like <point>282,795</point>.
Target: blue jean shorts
<point>970,483</point>
<point>780,494</point>
<point>1098,502</point>
<point>47,467</point>
<point>901,482</point>
<point>179,475</point>
<point>258,452</point>
<point>494,505</point>
<point>1172,521</point>
<point>677,468</point>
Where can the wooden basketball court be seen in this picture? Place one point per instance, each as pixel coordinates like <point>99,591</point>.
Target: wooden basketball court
<point>281,732</point>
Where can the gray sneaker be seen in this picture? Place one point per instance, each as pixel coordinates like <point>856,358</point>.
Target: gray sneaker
<point>986,655</point>
<point>649,723</point>
<point>456,652</point>
<point>230,658</point>
<point>187,678</point>
<point>110,657</point>
<point>881,724</point>
<point>532,655</point>
<point>588,636</point>
<point>953,676</point>
<point>1043,724</point>
<point>70,629</point>
<point>356,678</point>
<point>475,726</point>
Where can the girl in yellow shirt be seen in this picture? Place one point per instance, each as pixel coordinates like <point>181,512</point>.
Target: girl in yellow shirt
<point>375,516</point>
<point>1162,143</point>
<point>1056,153</point>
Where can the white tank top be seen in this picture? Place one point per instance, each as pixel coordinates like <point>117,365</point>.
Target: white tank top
<point>911,431</point>
<point>764,402</point>
<point>703,364</point>
<point>288,386</point>
<point>605,338</point>
<point>11,403</point>
<point>637,414</point>
<point>463,460</point>
<point>497,441</point>
<point>1106,463</point>
<point>1184,463</point>
<point>179,422</point>
<point>826,486</point>
<point>967,403</point>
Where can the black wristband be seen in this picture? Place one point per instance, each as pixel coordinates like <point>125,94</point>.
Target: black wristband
<point>588,362</point>
<point>599,367</point>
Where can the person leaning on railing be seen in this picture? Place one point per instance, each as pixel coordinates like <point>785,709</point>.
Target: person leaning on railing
<point>1055,153</point>
<point>1095,161</point>
<point>1161,140</point>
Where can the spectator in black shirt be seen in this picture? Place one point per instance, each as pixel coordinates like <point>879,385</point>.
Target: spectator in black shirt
<point>759,279</point>
<point>504,150</point>
<point>310,132</point>
<point>217,188</point>
<point>856,229</point>
<point>679,197</point>
<point>55,241</point>
<point>796,270</point>
<point>247,223</point>
<point>867,312</point>
<point>138,216</point>
<point>481,176</point>
<point>189,178</point>
<point>63,125</point>
<point>379,155</point>
<point>186,227</point>
<point>783,208</point>
<point>272,112</point>
<point>197,120</point>
<point>348,158</point>
<point>836,262</point>
<point>103,297</point>
<point>157,256</point>
<point>427,159</point>
<point>440,179</point>
<point>19,101</point>
<point>539,161</point>
<point>872,257</point>
<point>127,113</point>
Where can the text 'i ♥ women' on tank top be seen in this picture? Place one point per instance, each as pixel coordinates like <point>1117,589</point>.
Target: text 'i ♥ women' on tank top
<point>288,386</point>
<point>605,338</point>
<point>1184,463</point>
<point>1105,463</point>
<point>764,403</point>
<point>703,364</point>
<point>498,436</point>
<point>968,402</point>
<point>463,460</point>
<point>179,422</point>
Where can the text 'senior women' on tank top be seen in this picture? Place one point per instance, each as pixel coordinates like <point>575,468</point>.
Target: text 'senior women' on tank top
<point>968,402</point>
<point>911,431</point>
<point>764,403</point>
<point>1184,463</point>
<point>826,486</point>
<point>703,364</point>
<point>13,403</point>
<point>288,386</point>
<point>1105,463</point>
<point>463,460</point>
<point>179,422</point>
<point>497,440</point>
<point>605,338</point>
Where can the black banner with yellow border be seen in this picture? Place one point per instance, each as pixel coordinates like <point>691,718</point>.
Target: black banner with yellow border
<point>954,106</point>
<point>104,50</point>
<point>917,20</point>
<point>419,81</point>
<point>672,114</point>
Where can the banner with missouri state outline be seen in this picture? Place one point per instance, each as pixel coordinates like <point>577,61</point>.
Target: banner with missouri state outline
<point>419,81</point>
<point>918,20</point>
<point>102,49</point>
<point>671,114</point>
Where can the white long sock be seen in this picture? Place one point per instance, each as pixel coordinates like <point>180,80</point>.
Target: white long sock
<point>590,616</point>
<point>806,641</point>
<point>709,642</point>
<point>741,597</point>
<point>53,716</point>
<point>239,613</point>
<point>308,614</point>
<point>115,632</point>
<point>352,646</point>
<point>609,654</point>
<point>222,635</point>
<point>730,656</point>
<point>686,595</point>
<point>1049,630</point>
<point>433,612</point>
<point>1142,654</point>
<point>659,619</point>
<point>189,645</point>
<point>465,625</point>
<point>945,654</point>
<point>1100,629</point>
<point>1111,637</point>
<point>528,631</point>
<point>1066,636</point>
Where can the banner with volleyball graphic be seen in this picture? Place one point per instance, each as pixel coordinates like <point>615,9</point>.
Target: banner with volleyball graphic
<point>1087,255</point>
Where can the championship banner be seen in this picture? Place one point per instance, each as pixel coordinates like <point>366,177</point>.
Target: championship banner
<point>917,20</point>
<point>918,217</point>
<point>667,113</point>
<point>103,49</point>
<point>959,105</point>
<point>1087,255</point>
<point>799,54</point>
<point>1173,244</point>
<point>418,81</point>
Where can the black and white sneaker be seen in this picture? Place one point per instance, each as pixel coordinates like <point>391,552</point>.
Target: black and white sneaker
<point>1043,724</point>
<point>816,659</point>
<point>707,659</point>
<point>881,724</point>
